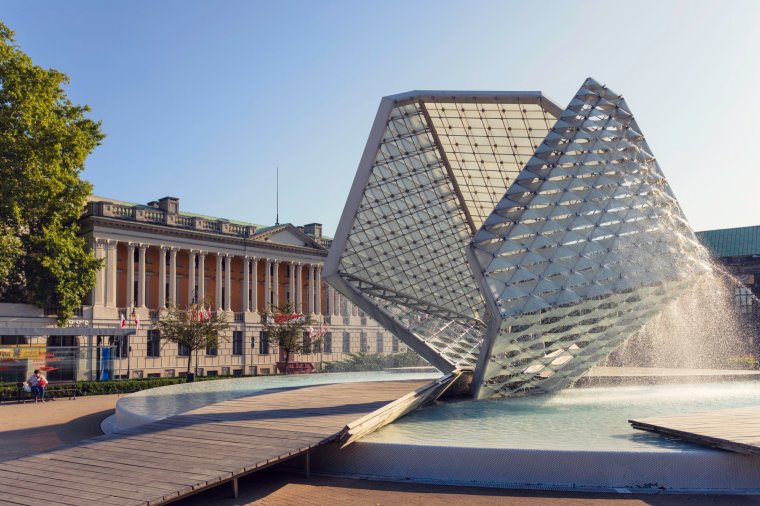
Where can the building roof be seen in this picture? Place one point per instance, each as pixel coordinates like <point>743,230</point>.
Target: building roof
<point>96,198</point>
<point>732,242</point>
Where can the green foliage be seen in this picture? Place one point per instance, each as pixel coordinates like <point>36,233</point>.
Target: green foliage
<point>748,361</point>
<point>44,141</point>
<point>286,329</point>
<point>9,391</point>
<point>193,327</point>
<point>375,362</point>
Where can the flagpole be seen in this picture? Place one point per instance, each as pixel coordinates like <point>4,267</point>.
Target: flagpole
<point>277,198</point>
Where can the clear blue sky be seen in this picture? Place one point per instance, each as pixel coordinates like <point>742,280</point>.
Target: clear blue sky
<point>202,100</point>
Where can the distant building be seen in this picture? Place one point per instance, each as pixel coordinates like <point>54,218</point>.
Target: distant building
<point>738,249</point>
<point>156,254</point>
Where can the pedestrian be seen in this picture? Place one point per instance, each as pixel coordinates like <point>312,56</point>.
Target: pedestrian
<point>38,383</point>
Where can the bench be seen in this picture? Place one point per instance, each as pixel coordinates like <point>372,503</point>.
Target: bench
<point>69,387</point>
<point>62,389</point>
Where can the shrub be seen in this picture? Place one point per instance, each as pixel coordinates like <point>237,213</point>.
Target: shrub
<point>748,361</point>
<point>375,362</point>
<point>9,391</point>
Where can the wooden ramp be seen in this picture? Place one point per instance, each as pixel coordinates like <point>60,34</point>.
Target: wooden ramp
<point>737,430</point>
<point>396,409</point>
<point>184,454</point>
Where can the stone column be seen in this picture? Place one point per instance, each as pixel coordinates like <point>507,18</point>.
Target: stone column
<point>99,295</point>
<point>299,288</point>
<point>318,286</point>
<point>292,274</point>
<point>228,282</point>
<point>190,276</point>
<point>218,298</point>
<point>111,274</point>
<point>173,277</point>
<point>255,283</point>
<point>201,277</point>
<point>310,291</point>
<point>267,285</point>
<point>131,274</point>
<point>161,277</point>
<point>276,280</point>
<point>246,283</point>
<point>141,276</point>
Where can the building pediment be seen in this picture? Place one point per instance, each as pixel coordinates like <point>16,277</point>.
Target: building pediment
<point>287,235</point>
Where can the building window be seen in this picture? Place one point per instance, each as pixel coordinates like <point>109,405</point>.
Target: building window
<point>63,341</point>
<point>363,343</point>
<point>743,299</point>
<point>346,342</point>
<point>212,351</point>
<point>328,342</point>
<point>306,343</point>
<point>154,343</point>
<point>394,344</point>
<point>121,343</point>
<point>237,342</point>
<point>379,342</point>
<point>183,351</point>
<point>212,373</point>
<point>263,343</point>
<point>12,340</point>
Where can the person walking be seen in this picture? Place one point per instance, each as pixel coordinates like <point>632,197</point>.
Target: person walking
<point>38,382</point>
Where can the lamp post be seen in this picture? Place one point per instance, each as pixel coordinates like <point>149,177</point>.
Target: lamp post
<point>133,315</point>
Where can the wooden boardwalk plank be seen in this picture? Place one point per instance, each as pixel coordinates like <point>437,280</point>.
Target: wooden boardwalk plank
<point>50,485</point>
<point>76,472</point>
<point>735,429</point>
<point>165,460</point>
<point>63,480</point>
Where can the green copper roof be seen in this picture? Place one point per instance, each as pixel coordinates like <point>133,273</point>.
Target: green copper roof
<point>732,242</point>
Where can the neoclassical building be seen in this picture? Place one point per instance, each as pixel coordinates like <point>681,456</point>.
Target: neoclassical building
<point>157,255</point>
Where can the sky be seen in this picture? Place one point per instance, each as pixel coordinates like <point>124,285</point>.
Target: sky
<point>204,100</point>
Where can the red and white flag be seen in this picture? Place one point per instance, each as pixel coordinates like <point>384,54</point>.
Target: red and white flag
<point>137,321</point>
<point>208,313</point>
<point>200,315</point>
<point>123,322</point>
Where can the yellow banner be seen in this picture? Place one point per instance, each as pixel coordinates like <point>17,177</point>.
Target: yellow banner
<point>35,351</point>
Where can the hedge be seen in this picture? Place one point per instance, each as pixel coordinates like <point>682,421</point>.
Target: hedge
<point>375,362</point>
<point>9,391</point>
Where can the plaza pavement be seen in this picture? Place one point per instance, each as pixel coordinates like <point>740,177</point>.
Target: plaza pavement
<point>31,428</point>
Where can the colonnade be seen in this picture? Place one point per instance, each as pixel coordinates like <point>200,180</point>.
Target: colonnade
<point>105,290</point>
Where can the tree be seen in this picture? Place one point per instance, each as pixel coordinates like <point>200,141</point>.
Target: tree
<point>286,329</point>
<point>194,327</point>
<point>44,141</point>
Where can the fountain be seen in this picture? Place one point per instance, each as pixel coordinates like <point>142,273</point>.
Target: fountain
<point>528,289</point>
<point>587,258</point>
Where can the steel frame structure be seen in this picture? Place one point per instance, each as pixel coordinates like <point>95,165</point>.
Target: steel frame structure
<point>527,288</point>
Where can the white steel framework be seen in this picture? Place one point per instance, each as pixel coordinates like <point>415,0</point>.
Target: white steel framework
<point>528,288</point>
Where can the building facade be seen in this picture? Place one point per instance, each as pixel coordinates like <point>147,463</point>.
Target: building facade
<point>155,255</point>
<point>738,250</point>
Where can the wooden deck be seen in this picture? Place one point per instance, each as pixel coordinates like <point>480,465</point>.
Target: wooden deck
<point>179,456</point>
<point>737,430</point>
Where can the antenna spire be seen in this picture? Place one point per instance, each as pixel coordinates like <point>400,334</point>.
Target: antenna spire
<point>277,199</point>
